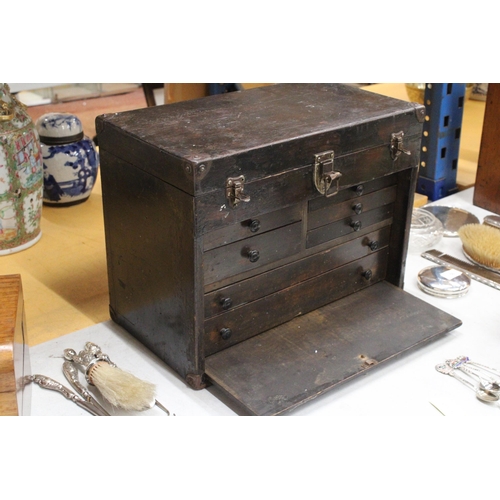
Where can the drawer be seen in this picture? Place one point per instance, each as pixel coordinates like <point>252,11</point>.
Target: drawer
<point>252,226</point>
<point>230,297</point>
<point>351,208</point>
<point>349,225</point>
<point>258,316</point>
<point>265,195</point>
<point>352,192</point>
<point>251,253</point>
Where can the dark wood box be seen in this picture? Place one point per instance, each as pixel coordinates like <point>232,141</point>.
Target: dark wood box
<point>256,240</point>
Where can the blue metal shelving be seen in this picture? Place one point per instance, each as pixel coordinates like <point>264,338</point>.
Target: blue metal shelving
<point>444,103</point>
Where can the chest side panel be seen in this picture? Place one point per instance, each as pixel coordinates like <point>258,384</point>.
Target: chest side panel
<point>152,262</point>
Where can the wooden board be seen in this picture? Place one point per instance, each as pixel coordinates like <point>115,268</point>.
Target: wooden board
<point>487,190</point>
<point>14,361</point>
<point>274,372</point>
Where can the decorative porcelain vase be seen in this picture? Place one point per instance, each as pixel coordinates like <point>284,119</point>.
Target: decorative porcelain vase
<point>21,179</point>
<point>70,159</point>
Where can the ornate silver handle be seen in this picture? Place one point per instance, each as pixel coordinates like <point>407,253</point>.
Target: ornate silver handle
<point>71,373</point>
<point>87,358</point>
<point>53,385</point>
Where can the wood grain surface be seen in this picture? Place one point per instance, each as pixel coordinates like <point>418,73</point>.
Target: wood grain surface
<point>10,321</point>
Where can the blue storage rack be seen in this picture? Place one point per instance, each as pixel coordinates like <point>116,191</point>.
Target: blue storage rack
<point>444,103</point>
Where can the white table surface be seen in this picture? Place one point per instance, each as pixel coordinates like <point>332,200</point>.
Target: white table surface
<point>408,386</point>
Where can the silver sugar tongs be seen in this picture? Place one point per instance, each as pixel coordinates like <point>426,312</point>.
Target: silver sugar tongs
<point>71,373</point>
<point>53,385</point>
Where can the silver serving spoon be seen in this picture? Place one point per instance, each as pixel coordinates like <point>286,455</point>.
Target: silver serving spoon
<point>481,393</point>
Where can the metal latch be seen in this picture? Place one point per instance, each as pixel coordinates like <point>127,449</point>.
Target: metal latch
<point>234,190</point>
<point>397,145</point>
<point>325,175</point>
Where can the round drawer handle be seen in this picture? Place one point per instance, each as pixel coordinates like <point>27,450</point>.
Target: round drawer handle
<point>359,189</point>
<point>225,333</point>
<point>373,245</point>
<point>358,208</point>
<point>253,255</point>
<point>225,302</point>
<point>356,225</point>
<point>254,225</point>
<point>367,274</point>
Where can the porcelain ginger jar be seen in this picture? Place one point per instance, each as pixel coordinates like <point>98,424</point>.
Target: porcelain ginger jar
<point>70,159</point>
<point>21,180</point>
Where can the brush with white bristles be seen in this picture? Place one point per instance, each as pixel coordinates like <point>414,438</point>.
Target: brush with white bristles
<point>481,243</point>
<point>118,387</point>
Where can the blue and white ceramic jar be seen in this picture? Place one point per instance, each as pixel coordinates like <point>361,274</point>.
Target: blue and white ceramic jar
<point>70,159</point>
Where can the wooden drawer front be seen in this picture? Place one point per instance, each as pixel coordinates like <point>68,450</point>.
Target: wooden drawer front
<point>351,208</point>
<point>258,316</point>
<point>251,253</point>
<point>253,226</point>
<point>352,192</point>
<point>349,225</point>
<point>230,297</point>
<point>266,195</point>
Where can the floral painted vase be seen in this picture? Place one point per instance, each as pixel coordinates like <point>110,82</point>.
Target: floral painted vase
<point>21,179</point>
<point>70,159</point>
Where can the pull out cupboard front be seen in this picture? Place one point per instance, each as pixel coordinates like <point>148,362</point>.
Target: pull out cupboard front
<point>256,240</point>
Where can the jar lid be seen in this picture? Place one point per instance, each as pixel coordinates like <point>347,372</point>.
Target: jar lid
<point>443,281</point>
<point>452,218</point>
<point>59,128</point>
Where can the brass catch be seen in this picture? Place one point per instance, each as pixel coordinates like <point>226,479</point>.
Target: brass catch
<point>397,145</point>
<point>234,190</point>
<point>325,175</point>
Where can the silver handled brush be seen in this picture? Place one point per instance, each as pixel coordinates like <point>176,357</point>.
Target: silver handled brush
<point>118,387</point>
<point>71,373</point>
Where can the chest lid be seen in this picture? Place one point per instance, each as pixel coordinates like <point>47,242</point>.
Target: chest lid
<point>195,145</point>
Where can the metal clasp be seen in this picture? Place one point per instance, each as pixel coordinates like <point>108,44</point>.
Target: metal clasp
<point>234,190</point>
<point>325,175</point>
<point>397,145</point>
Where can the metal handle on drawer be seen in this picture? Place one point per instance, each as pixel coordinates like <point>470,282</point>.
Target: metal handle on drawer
<point>373,245</point>
<point>254,225</point>
<point>356,225</point>
<point>358,189</point>
<point>357,208</point>
<point>253,255</point>
<point>225,302</point>
<point>225,333</point>
<point>367,274</point>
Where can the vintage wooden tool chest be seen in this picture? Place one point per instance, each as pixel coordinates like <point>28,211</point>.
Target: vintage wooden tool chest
<point>256,240</point>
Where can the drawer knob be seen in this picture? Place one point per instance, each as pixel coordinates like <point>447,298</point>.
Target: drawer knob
<point>358,208</point>
<point>367,274</point>
<point>254,225</point>
<point>225,303</point>
<point>373,245</point>
<point>225,333</point>
<point>253,255</point>
<point>359,189</point>
<point>356,225</point>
